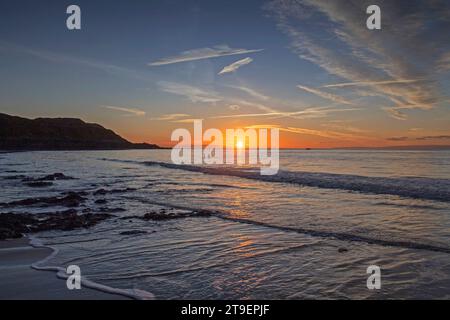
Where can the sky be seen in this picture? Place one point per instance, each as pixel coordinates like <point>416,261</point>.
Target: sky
<point>310,68</point>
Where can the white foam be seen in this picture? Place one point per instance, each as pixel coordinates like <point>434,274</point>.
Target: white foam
<point>411,187</point>
<point>61,273</point>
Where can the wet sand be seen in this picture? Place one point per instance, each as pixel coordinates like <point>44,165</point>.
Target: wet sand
<point>20,282</point>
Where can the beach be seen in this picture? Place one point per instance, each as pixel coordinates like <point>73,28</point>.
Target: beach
<point>21,282</point>
<point>138,225</point>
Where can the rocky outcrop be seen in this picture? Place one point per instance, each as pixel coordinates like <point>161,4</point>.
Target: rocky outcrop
<point>72,199</point>
<point>14,225</point>
<point>18,134</point>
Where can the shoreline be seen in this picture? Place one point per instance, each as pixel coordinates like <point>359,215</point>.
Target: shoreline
<point>20,281</point>
<point>75,150</point>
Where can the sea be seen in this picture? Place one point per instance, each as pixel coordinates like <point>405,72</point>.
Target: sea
<point>313,231</point>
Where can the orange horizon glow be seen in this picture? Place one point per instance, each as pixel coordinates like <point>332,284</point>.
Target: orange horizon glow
<point>296,141</point>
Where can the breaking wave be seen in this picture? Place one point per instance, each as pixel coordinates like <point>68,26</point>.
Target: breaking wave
<point>410,187</point>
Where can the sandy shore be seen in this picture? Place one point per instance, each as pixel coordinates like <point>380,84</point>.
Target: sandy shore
<point>19,281</point>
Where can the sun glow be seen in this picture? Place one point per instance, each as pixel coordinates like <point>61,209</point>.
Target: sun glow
<point>239,144</point>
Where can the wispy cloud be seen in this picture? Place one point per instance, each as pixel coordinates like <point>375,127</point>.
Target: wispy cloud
<point>425,106</point>
<point>444,63</point>
<point>256,105</point>
<point>442,137</point>
<point>310,132</point>
<point>264,126</point>
<point>186,120</point>
<point>171,117</point>
<point>326,95</point>
<point>396,114</point>
<point>248,115</point>
<point>370,83</point>
<point>235,65</point>
<point>132,111</point>
<point>234,107</point>
<point>202,53</point>
<point>176,118</point>
<point>308,113</point>
<point>345,127</point>
<point>322,133</point>
<point>194,94</point>
<point>252,92</point>
<point>398,139</point>
<point>409,51</point>
<point>268,109</point>
<point>423,138</point>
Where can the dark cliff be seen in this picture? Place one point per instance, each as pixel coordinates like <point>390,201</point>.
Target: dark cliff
<point>18,133</point>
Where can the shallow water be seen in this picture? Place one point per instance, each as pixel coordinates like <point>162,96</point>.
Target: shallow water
<point>275,237</point>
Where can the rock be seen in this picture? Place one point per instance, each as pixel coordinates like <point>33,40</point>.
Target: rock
<point>6,233</point>
<point>342,250</point>
<point>104,191</point>
<point>55,176</point>
<point>13,225</point>
<point>158,216</point>
<point>201,213</point>
<point>106,209</point>
<point>39,184</point>
<point>164,215</point>
<point>100,192</point>
<point>133,232</point>
<point>50,177</point>
<point>79,193</point>
<point>70,200</point>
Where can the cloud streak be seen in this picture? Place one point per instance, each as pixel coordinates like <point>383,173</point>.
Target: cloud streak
<point>202,53</point>
<point>396,114</point>
<point>251,92</point>
<point>171,117</point>
<point>326,95</point>
<point>235,65</point>
<point>398,139</point>
<point>309,132</point>
<point>444,63</point>
<point>308,113</point>
<point>442,137</point>
<point>423,138</point>
<point>370,83</point>
<point>132,111</point>
<point>186,120</point>
<point>194,94</point>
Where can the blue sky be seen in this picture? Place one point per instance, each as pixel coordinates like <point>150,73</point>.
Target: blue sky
<point>310,68</point>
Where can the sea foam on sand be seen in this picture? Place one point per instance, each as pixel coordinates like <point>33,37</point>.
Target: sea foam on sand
<point>19,281</point>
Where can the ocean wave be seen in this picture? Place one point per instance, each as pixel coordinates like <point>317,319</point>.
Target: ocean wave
<point>349,237</point>
<point>410,187</point>
<point>409,206</point>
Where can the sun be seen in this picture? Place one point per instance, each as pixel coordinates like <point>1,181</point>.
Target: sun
<point>239,144</point>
